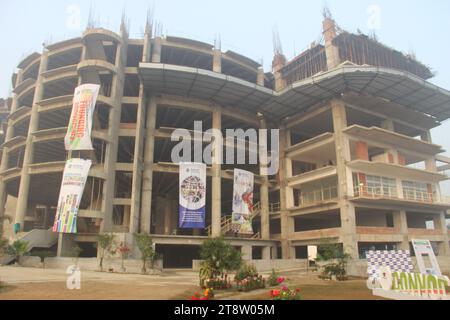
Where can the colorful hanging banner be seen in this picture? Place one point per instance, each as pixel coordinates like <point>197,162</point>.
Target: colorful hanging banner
<point>72,187</point>
<point>78,135</point>
<point>242,201</point>
<point>192,195</point>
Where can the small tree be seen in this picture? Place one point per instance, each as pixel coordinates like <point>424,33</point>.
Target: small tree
<point>105,246</point>
<point>17,249</point>
<point>218,256</point>
<point>335,259</point>
<point>124,252</point>
<point>144,243</point>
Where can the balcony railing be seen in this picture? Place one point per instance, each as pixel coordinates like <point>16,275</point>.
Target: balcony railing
<point>418,195</point>
<point>390,192</point>
<point>384,191</point>
<point>318,196</point>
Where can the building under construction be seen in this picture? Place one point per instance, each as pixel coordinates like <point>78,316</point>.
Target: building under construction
<point>357,163</point>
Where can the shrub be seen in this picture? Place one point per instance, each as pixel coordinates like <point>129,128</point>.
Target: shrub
<point>245,271</point>
<point>105,246</point>
<point>272,280</point>
<point>144,243</point>
<point>337,260</point>
<point>218,256</point>
<point>17,249</point>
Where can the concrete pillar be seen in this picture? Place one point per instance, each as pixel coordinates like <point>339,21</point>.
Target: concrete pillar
<point>285,219</point>
<point>216,204</point>
<point>345,181</point>
<point>156,50</point>
<point>22,199</point>
<point>274,252</point>
<point>279,61</point>
<point>266,254</point>
<point>113,134</point>
<point>441,225</point>
<point>66,243</point>
<point>167,215</point>
<point>217,60</point>
<point>332,52</point>
<point>264,187</point>
<point>401,228</point>
<point>260,77</point>
<point>246,252</point>
<point>5,153</point>
<point>138,164</point>
<point>147,176</point>
<point>430,163</point>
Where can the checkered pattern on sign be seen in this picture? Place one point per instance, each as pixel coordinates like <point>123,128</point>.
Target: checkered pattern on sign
<point>396,260</point>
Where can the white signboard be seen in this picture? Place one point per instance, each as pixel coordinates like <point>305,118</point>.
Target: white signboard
<point>78,135</point>
<point>72,187</point>
<point>423,248</point>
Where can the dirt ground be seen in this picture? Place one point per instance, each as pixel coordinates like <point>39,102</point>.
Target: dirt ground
<point>50,284</point>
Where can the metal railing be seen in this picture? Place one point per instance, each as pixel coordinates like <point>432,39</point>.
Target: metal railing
<point>274,207</point>
<point>418,195</point>
<point>383,191</point>
<point>410,194</point>
<point>319,195</point>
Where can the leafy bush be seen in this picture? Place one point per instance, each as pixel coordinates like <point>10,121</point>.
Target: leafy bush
<point>337,260</point>
<point>251,283</point>
<point>218,256</point>
<point>272,279</point>
<point>144,243</point>
<point>17,249</point>
<point>245,271</point>
<point>105,245</point>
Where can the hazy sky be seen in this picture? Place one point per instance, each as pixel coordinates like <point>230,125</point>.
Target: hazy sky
<point>244,26</point>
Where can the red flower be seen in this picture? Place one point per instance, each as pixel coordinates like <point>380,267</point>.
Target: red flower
<point>280,279</point>
<point>275,293</point>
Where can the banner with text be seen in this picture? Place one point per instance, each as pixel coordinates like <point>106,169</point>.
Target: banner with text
<point>242,201</point>
<point>192,195</point>
<point>72,187</point>
<point>78,135</point>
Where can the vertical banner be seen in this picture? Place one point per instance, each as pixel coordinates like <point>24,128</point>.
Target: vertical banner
<point>192,195</point>
<point>423,248</point>
<point>242,201</point>
<point>78,135</point>
<point>72,186</point>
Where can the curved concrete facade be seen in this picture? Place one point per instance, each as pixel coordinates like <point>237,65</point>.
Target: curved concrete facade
<point>151,86</point>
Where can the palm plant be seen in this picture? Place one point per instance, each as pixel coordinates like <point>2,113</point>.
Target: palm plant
<point>17,249</point>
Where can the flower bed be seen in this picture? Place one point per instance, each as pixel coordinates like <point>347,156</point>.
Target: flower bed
<point>284,293</point>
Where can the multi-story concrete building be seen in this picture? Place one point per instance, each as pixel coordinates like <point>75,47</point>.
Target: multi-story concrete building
<point>357,164</point>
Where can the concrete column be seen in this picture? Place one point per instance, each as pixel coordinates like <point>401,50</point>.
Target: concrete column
<point>217,60</point>
<point>147,176</point>
<point>167,215</point>
<point>156,50</point>
<point>285,219</point>
<point>5,153</point>
<point>332,52</point>
<point>274,252</point>
<point>216,205</point>
<point>66,243</point>
<point>264,187</point>
<point>266,253</point>
<point>401,228</point>
<point>24,188</point>
<point>441,225</point>
<point>246,252</point>
<point>138,163</point>
<point>260,77</point>
<point>113,134</point>
<point>345,181</point>
<point>430,163</point>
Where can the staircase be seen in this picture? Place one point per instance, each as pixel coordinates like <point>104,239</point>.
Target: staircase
<point>226,222</point>
<point>36,238</point>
